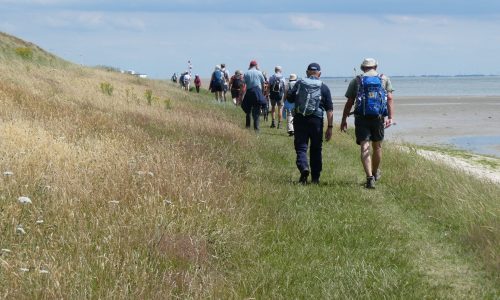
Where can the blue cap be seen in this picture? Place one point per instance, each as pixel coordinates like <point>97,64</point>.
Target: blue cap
<point>313,67</point>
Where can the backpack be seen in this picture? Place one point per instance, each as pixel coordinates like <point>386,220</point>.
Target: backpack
<point>371,99</point>
<point>276,86</point>
<point>181,79</point>
<point>218,76</point>
<point>308,96</point>
<point>237,83</point>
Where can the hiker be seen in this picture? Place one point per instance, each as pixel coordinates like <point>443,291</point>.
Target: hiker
<point>174,78</point>
<point>371,94</point>
<point>276,93</point>
<point>253,99</point>
<point>237,86</point>
<point>225,74</point>
<point>217,83</point>
<point>311,98</point>
<point>197,82</point>
<point>186,81</point>
<point>288,107</point>
<point>265,107</point>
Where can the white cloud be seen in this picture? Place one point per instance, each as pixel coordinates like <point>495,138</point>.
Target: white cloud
<point>306,22</point>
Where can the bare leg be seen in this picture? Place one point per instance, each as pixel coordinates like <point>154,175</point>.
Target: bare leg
<point>365,158</point>
<point>377,155</point>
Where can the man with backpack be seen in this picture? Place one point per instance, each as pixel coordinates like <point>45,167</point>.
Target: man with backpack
<point>276,93</point>
<point>217,83</point>
<point>237,87</point>
<point>371,95</point>
<point>312,98</point>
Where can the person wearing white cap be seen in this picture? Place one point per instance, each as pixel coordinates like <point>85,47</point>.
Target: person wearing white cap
<point>276,93</point>
<point>371,94</point>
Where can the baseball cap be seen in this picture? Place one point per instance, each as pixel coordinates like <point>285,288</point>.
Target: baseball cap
<point>369,62</point>
<point>253,63</point>
<point>313,67</point>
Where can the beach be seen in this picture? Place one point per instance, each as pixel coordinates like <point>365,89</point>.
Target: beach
<point>465,122</point>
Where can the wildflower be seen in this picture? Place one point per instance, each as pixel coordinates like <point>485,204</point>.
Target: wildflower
<point>20,229</point>
<point>42,271</point>
<point>24,269</point>
<point>24,200</point>
<point>39,222</point>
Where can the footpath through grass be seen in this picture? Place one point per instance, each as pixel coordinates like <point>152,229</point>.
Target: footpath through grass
<point>425,232</point>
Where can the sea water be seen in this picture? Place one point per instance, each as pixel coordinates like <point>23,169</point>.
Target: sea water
<point>429,86</point>
<point>437,86</point>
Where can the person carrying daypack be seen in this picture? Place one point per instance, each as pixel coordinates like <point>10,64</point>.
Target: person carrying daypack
<point>237,87</point>
<point>254,99</point>
<point>371,95</point>
<point>217,83</point>
<point>311,98</point>
<point>276,93</point>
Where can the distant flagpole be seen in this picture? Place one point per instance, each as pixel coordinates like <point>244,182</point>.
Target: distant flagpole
<point>190,67</point>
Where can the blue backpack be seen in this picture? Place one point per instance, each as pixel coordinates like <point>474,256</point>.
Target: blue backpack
<point>218,76</point>
<point>371,99</point>
<point>308,96</point>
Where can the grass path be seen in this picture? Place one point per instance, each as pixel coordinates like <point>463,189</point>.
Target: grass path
<point>342,241</point>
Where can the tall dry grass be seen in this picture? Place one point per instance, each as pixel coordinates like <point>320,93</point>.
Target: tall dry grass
<point>131,195</point>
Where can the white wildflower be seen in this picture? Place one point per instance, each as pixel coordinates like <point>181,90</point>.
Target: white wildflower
<point>42,271</point>
<point>24,269</point>
<point>20,229</point>
<point>8,173</point>
<point>24,200</point>
<point>39,222</point>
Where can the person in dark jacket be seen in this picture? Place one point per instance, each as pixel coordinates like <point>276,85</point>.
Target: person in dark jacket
<point>308,127</point>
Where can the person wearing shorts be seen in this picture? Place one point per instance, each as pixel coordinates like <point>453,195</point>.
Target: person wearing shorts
<point>369,129</point>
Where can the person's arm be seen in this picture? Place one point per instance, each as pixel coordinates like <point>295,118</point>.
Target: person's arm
<point>329,118</point>
<point>390,110</point>
<point>345,114</point>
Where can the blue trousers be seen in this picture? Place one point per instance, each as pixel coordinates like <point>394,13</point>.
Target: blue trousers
<point>255,114</point>
<point>308,129</point>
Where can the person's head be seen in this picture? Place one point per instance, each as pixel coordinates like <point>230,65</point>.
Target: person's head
<point>313,70</point>
<point>293,77</point>
<point>217,67</point>
<point>253,64</point>
<point>277,69</point>
<point>237,73</point>
<point>368,64</point>
<point>222,66</point>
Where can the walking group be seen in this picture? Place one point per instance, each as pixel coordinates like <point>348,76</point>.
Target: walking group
<point>304,103</point>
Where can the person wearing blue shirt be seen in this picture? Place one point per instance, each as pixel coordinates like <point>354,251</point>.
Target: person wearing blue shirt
<point>308,126</point>
<point>254,98</point>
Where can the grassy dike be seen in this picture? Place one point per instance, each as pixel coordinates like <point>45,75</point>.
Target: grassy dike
<point>168,196</point>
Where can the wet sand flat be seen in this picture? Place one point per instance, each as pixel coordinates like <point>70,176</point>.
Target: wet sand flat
<point>442,120</point>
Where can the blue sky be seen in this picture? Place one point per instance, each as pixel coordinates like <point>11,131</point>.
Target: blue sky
<point>159,37</point>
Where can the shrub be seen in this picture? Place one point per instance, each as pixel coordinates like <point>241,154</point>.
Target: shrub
<point>149,96</point>
<point>107,88</point>
<point>25,53</point>
<point>168,103</point>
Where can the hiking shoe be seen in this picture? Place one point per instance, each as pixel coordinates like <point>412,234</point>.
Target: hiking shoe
<point>315,181</point>
<point>290,133</point>
<point>377,175</point>
<point>278,127</point>
<point>272,124</point>
<point>370,182</point>
<point>303,176</point>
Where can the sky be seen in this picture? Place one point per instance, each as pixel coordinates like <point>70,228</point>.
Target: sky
<point>158,37</point>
